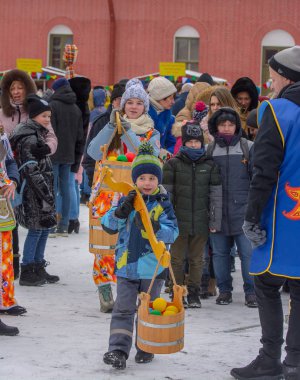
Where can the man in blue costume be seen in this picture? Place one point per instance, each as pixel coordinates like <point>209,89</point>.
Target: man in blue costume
<point>272,221</point>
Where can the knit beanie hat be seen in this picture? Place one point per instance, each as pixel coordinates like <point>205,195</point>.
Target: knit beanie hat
<point>160,88</point>
<point>99,96</point>
<point>191,131</point>
<point>133,82</point>
<point>60,83</point>
<point>200,111</point>
<point>146,163</point>
<point>252,119</point>
<point>117,92</point>
<point>287,63</point>
<point>135,91</point>
<point>36,105</point>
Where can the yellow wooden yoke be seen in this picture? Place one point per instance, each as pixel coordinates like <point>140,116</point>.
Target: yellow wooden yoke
<point>161,253</point>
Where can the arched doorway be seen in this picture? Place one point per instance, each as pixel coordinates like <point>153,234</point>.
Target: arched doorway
<point>272,43</point>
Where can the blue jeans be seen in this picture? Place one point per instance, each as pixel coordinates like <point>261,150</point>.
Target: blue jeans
<point>74,198</point>
<point>221,246</point>
<point>34,246</point>
<point>61,186</point>
<point>84,187</point>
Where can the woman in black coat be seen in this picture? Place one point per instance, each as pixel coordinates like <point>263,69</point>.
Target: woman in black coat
<point>37,211</point>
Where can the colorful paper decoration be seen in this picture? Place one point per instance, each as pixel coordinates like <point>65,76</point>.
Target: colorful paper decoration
<point>70,57</point>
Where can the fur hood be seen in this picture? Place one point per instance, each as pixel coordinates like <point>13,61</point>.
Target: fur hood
<point>246,84</point>
<point>9,77</point>
<point>212,122</point>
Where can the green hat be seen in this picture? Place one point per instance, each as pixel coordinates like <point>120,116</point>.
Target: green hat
<point>146,163</point>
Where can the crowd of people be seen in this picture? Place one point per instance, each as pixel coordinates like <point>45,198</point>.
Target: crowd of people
<point>213,165</point>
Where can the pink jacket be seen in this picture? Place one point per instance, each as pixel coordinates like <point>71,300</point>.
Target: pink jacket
<point>9,124</point>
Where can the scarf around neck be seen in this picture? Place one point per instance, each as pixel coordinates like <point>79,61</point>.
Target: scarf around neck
<point>193,154</point>
<point>157,106</point>
<point>141,125</point>
<point>226,138</point>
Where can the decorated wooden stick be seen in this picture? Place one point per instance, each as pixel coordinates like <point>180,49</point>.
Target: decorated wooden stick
<point>159,248</point>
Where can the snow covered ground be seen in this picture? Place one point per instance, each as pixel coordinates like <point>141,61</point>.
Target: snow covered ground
<point>64,336</point>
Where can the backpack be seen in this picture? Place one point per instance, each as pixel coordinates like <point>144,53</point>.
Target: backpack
<point>244,146</point>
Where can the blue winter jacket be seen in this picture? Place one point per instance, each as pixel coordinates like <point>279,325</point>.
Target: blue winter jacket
<point>163,123</point>
<point>134,256</point>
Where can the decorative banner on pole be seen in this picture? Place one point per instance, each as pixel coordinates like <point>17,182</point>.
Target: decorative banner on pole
<point>172,69</point>
<point>29,65</point>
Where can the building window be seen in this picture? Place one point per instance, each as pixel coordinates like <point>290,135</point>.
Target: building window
<point>186,47</point>
<point>59,36</point>
<point>272,43</point>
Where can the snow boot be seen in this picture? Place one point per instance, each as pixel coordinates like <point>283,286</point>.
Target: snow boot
<point>224,298</point>
<point>143,357</point>
<point>262,368</point>
<point>74,225</point>
<point>41,272</point>
<point>290,372</point>
<point>116,358</point>
<point>8,330</point>
<point>29,277</point>
<point>16,264</point>
<point>14,310</point>
<point>193,298</point>
<point>106,298</point>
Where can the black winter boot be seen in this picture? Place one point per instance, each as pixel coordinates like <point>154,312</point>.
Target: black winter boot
<point>143,357</point>
<point>262,368</point>
<point>8,330</point>
<point>41,272</point>
<point>116,358</point>
<point>74,225</point>
<point>290,372</point>
<point>29,277</point>
<point>193,298</point>
<point>16,264</point>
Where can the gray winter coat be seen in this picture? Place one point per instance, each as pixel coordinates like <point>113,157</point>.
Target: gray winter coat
<point>236,174</point>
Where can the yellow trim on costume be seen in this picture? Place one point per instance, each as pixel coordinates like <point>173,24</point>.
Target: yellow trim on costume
<point>273,231</point>
<point>283,275</point>
<point>277,123</point>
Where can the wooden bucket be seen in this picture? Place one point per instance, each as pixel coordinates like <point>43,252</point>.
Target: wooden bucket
<point>160,334</point>
<point>100,242</point>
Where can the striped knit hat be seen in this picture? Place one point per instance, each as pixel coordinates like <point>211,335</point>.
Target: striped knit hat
<point>146,163</point>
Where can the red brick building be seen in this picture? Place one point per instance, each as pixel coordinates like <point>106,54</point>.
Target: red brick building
<point>126,38</point>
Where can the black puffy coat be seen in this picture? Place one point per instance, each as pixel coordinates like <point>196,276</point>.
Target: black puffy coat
<point>38,208</point>
<point>196,193</point>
